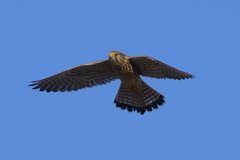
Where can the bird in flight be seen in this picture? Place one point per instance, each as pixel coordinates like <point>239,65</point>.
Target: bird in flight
<point>134,94</point>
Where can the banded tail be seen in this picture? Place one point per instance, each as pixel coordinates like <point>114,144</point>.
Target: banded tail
<point>149,98</point>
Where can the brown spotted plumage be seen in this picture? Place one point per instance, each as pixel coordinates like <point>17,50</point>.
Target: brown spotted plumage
<point>134,94</point>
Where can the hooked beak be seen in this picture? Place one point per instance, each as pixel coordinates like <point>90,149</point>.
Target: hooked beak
<point>112,54</point>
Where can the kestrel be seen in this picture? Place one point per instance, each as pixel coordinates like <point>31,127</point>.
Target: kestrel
<point>134,94</point>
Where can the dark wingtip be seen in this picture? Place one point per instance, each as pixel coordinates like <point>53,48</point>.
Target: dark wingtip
<point>34,83</point>
<point>192,76</point>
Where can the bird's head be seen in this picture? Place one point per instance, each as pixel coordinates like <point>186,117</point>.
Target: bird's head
<point>116,56</point>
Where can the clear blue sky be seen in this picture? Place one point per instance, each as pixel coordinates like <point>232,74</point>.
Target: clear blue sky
<point>200,119</point>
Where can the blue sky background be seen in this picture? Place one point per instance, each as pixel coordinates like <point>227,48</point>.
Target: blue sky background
<point>200,119</point>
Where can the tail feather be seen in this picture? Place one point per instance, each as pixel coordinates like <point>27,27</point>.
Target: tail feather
<point>150,98</point>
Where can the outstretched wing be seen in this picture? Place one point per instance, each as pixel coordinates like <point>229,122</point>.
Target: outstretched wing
<point>150,67</point>
<point>82,76</point>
